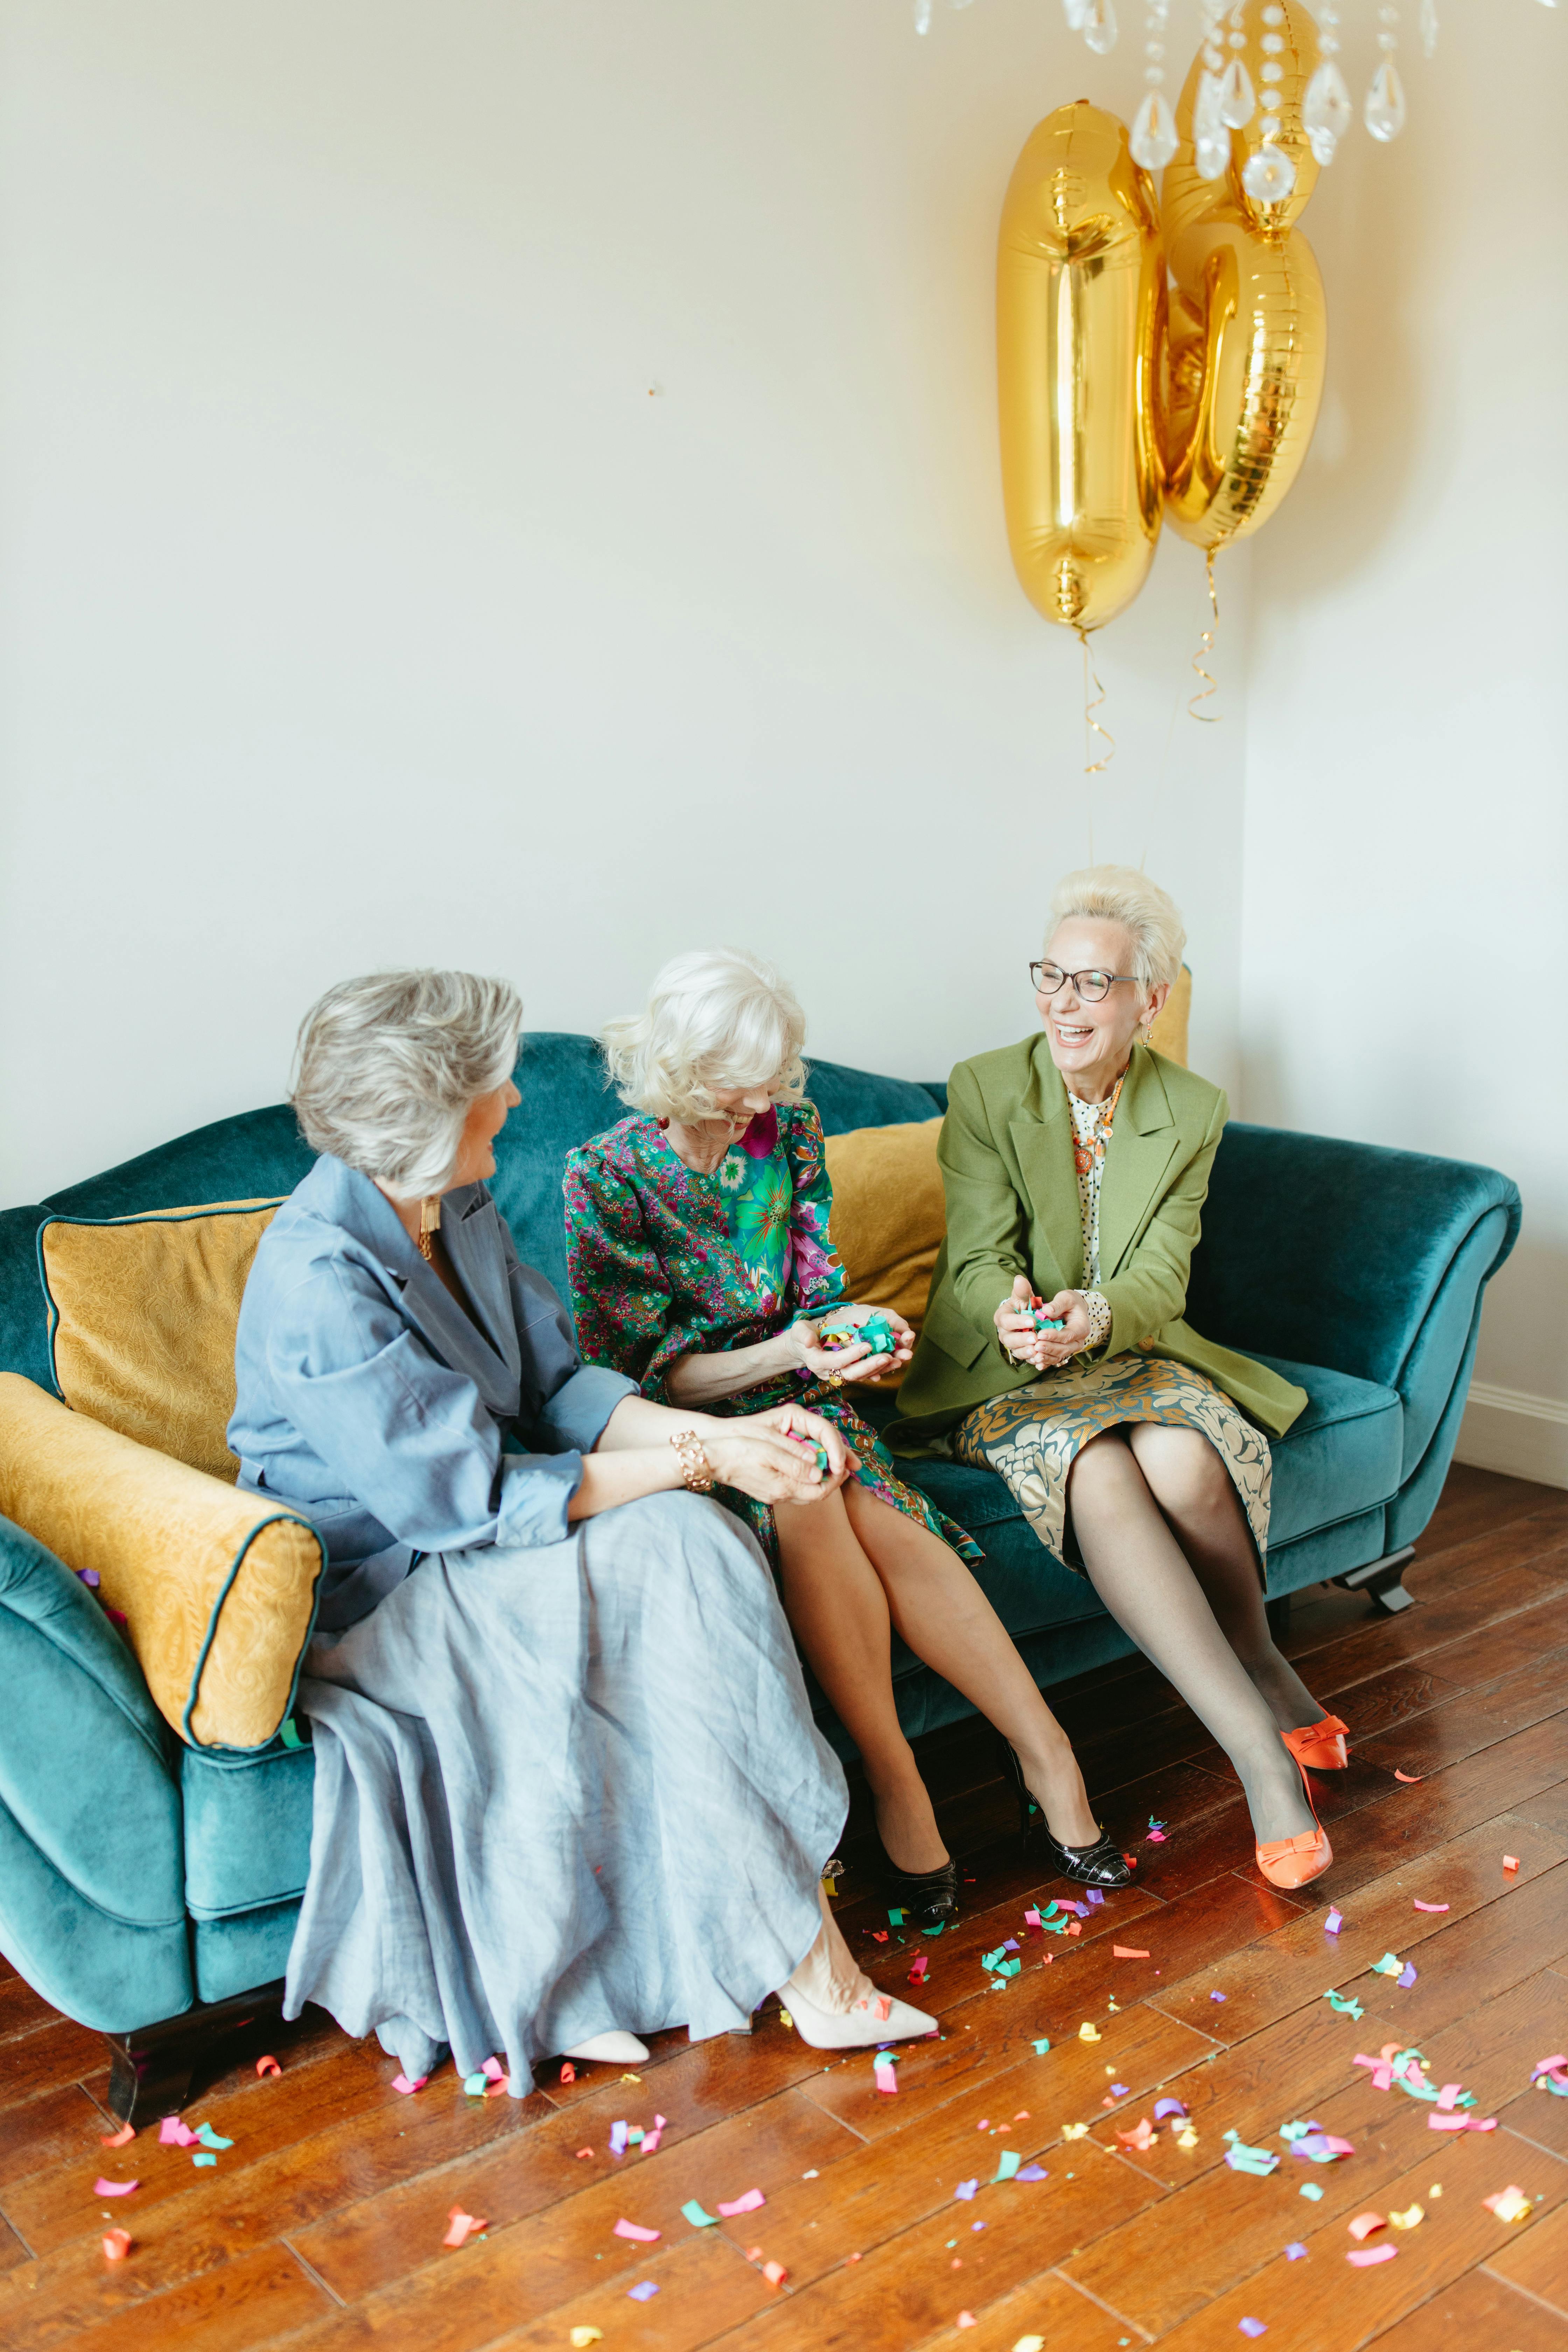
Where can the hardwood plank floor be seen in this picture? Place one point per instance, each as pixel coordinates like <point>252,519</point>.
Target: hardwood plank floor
<point>319,2230</point>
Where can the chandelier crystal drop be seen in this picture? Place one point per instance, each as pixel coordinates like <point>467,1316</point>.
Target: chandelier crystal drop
<point>1327,113</point>
<point>1238,103</point>
<point>1099,27</point>
<point>1268,174</point>
<point>1384,110</point>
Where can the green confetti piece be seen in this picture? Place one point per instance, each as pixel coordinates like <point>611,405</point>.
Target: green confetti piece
<point>288,1733</point>
<point>1007,2165</point>
<point>204,2160</point>
<point>990,1959</point>
<point>697,2216</point>
<point>209,2138</point>
<point>1041,2048</point>
<point>1389,1966</point>
<point>895,1918</point>
<point>1310,2189</point>
<point>934,1931</point>
<point>1345,2007</point>
<point>476,2084</point>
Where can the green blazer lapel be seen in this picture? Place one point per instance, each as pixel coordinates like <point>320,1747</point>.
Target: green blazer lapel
<point>1044,1146</point>
<point>1144,1139</point>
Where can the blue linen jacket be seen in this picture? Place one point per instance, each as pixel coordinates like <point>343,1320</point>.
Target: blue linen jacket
<point>396,1423</point>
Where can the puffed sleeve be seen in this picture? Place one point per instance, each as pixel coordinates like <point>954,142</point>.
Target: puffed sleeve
<point>405,1435</point>
<point>620,1293</point>
<point>816,1272</point>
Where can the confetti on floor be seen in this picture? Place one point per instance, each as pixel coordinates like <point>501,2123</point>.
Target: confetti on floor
<point>127,2133</point>
<point>1295,2251</point>
<point>1334,1922</point>
<point>643,2291</point>
<point>624,2229</point>
<point>1364,2257</point>
<point>402,2083</point>
<point>697,2216</point>
<point>1411,1779</point>
<point>1252,2326</point>
<point>461,2227</point>
<point>264,2066</point>
<point>1429,1906</point>
<point>116,2245</point>
<point>1510,1862</point>
<point>746,2204</point>
<point>1364,2224</point>
<point>582,2337</point>
<point>1510,2204</point>
<point>1127,1952</point>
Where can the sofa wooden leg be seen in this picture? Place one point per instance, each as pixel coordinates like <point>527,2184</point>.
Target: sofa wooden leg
<point>151,2067</point>
<point>1382,1582</point>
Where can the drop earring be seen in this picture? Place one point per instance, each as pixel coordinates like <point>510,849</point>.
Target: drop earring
<point>429,1223</point>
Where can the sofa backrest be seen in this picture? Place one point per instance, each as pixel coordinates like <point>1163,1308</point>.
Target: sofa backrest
<point>259,1153</point>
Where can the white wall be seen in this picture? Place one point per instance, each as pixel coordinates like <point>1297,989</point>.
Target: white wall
<point>358,604</point>
<point>1406,850</point>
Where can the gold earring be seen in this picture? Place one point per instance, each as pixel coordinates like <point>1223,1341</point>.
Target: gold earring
<point>429,1223</point>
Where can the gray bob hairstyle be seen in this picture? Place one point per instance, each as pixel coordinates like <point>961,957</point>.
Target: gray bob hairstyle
<point>387,1069</point>
<point>1150,916</point>
<point>716,1017</point>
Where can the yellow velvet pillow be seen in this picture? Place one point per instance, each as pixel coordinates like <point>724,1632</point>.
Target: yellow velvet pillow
<point>217,1589</point>
<point>142,1313</point>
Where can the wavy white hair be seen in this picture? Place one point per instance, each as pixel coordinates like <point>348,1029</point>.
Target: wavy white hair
<point>387,1069</point>
<point>1120,894</point>
<point>716,1018</point>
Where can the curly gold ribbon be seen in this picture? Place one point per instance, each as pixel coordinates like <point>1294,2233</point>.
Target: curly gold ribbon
<point>1091,726</point>
<point>1205,653</point>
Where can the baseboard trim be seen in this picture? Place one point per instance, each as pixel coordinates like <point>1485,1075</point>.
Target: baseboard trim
<point>1509,1430</point>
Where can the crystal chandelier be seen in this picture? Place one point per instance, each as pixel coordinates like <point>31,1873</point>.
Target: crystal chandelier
<point>1228,100</point>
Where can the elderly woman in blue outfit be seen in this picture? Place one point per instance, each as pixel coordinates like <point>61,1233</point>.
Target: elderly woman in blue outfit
<point>568,1789</point>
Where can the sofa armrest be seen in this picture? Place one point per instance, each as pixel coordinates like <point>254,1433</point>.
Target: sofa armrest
<point>217,1589</point>
<point>1341,1254</point>
<point>92,1906</point>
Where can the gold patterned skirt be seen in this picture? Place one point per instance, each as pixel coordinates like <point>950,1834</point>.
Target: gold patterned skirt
<point>1032,1436</point>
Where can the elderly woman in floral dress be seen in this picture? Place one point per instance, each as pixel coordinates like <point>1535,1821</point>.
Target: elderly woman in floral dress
<point>701,1267</point>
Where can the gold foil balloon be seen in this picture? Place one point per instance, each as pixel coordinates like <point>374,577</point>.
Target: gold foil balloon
<point>1248,324</point>
<point>1080,314</point>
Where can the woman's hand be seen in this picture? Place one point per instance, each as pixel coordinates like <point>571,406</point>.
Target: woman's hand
<point>794,1419</point>
<point>1025,1342</point>
<point>856,1361</point>
<point>771,1466</point>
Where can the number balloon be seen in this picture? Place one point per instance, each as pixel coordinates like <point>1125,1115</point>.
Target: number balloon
<point>1247,326</point>
<point>1081,316</point>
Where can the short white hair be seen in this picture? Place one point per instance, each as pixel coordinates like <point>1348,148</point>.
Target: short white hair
<point>716,1018</point>
<point>1150,916</point>
<point>388,1067</point>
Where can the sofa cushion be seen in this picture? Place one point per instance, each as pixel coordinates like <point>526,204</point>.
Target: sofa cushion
<point>219,1591</point>
<point>142,1313</point>
<point>889,1214</point>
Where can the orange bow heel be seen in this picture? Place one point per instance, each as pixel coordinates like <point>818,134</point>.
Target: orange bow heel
<point>1320,1746</point>
<point>1295,1861</point>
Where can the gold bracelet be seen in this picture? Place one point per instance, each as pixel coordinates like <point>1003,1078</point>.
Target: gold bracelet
<point>695,1472</point>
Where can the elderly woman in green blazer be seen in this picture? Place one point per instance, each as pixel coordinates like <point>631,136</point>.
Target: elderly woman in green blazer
<point>1056,1351</point>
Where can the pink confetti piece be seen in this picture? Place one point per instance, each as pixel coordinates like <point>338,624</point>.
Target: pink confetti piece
<point>635,2230</point>
<point>651,2139</point>
<point>1380,2070</point>
<point>1411,1779</point>
<point>1031,1919</point>
<point>1510,1862</point>
<point>494,2069</point>
<point>114,2188</point>
<point>966,2319</point>
<point>746,2204</point>
<point>173,2133</point>
<point>774,2273</point>
<point>1429,1907</point>
<point>1447,2096</point>
<point>1553,2065</point>
<point>1365,2223</point>
<point>462,2227</point>
<point>1127,1952</point>
<point>402,2083</point>
<point>1510,2204</point>
<point>918,1973</point>
<point>122,2139</point>
<point>116,2245</point>
<point>1461,2122</point>
<point>1156,1837</point>
<point>584,2155</point>
<point>264,2066</point>
<point>1364,2257</point>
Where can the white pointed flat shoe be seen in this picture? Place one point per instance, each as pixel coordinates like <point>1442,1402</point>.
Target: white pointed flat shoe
<point>876,2017</point>
<point>610,2049</point>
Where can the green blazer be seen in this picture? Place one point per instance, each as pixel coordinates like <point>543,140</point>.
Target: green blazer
<point>1007,1166</point>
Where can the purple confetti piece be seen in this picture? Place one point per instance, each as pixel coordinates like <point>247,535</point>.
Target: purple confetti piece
<point>89,1577</point>
<point>1118,2090</point>
<point>965,2190</point>
<point>1164,2108</point>
<point>1216,1996</point>
<point>617,2139</point>
<point>1406,1976</point>
<point>1032,2172</point>
<point>1010,1944</point>
<point>1334,1922</point>
<point>1095,1895</point>
<point>1295,2251</point>
<point>643,2291</point>
<point>1252,2326</point>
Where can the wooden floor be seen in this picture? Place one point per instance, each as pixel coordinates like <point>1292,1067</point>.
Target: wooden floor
<point>321,2226</point>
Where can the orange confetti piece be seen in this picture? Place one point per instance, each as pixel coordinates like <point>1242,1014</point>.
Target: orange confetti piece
<point>774,2273</point>
<point>1411,1779</point>
<point>116,2245</point>
<point>463,2226</point>
<point>122,2139</point>
<point>1365,2223</point>
<point>1127,1952</point>
<point>966,2319</point>
<point>754,2254</point>
<point>1510,1862</point>
<point>584,2155</point>
<point>264,2066</point>
<point>568,2071</point>
<point>1142,2135</point>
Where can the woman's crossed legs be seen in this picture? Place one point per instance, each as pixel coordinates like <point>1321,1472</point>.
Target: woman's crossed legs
<point>1168,1550</point>
<point>854,1570</point>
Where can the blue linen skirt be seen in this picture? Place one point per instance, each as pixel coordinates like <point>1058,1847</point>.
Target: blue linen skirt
<point>563,1790</point>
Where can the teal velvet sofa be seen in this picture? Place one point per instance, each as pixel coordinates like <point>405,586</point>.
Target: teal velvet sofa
<point>148,1888</point>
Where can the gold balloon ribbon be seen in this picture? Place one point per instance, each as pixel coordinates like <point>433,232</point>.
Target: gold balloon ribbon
<point>1205,653</point>
<point>1091,725</point>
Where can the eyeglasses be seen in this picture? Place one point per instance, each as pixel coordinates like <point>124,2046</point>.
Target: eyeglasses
<point>1091,985</point>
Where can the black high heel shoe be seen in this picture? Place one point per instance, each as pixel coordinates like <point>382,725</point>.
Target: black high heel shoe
<point>1100,1865</point>
<point>928,1898</point>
